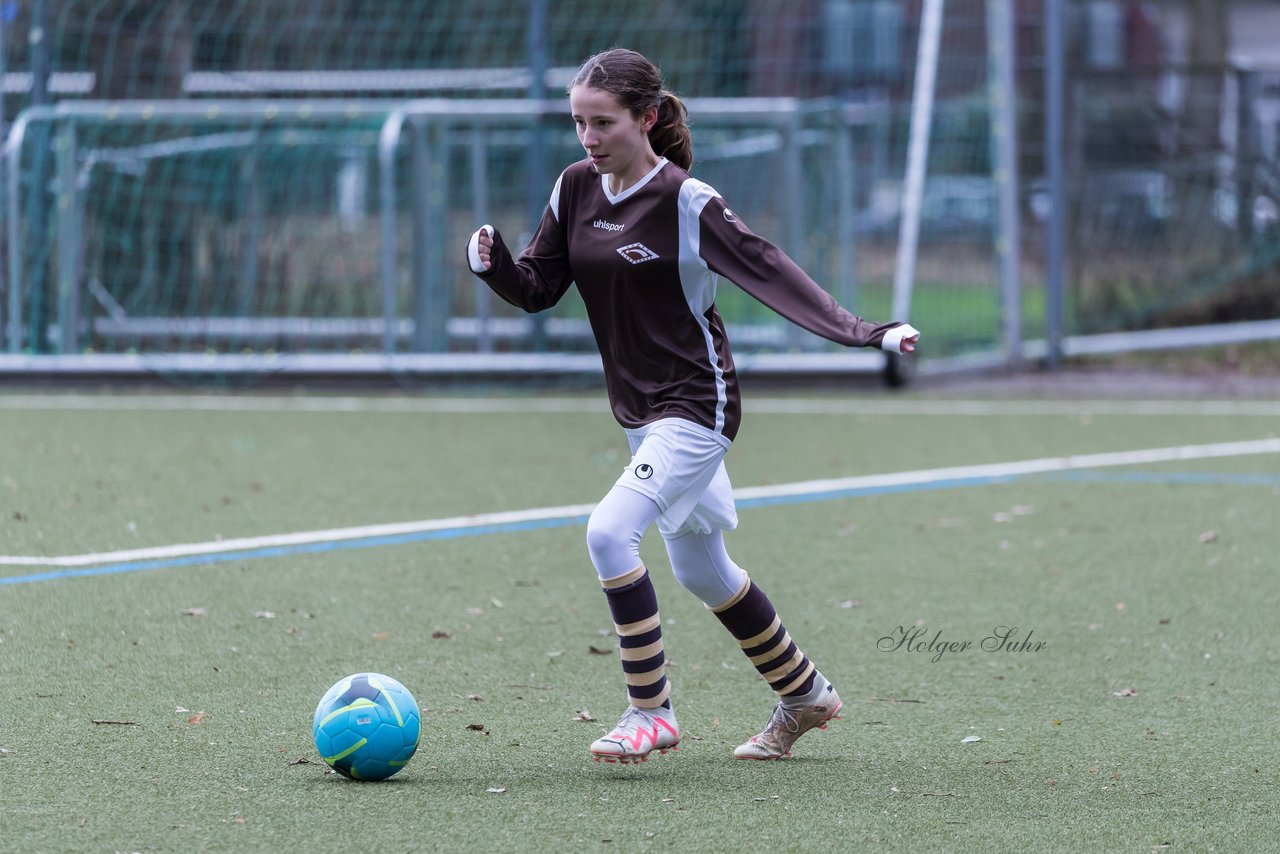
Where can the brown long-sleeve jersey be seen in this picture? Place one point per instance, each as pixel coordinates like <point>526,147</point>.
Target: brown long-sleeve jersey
<point>646,262</point>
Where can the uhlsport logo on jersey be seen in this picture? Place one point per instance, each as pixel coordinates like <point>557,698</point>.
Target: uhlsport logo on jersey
<point>644,471</point>
<point>637,253</point>
<point>608,226</point>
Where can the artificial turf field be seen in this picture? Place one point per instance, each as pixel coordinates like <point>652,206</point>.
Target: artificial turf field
<point>161,700</point>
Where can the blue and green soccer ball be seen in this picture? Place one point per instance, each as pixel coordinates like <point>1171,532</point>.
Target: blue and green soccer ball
<point>367,726</point>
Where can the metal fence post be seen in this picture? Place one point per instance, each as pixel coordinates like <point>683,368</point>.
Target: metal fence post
<point>539,184</point>
<point>70,239</point>
<point>1055,276</point>
<point>390,227</point>
<point>793,227</point>
<point>480,215</point>
<point>430,220</point>
<point>1004,131</point>
<point>846,233</point>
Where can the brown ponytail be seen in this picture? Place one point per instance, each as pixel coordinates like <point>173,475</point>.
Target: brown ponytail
<point>637,84</point>
<point>670,136</point>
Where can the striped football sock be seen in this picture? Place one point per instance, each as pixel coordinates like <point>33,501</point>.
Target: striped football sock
<point>750,617</point>
<point>634,606</point>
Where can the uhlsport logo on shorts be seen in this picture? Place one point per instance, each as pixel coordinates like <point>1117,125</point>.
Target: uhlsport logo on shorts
<point>637,253</point>
<point>644,471</point>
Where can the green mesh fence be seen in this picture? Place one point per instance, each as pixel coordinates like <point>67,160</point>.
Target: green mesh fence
<point>136,229</point>
<point>1159,235</point>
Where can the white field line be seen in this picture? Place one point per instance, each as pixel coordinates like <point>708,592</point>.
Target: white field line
<point>876,406</point>
<point>304,537</point>
<point>811,487</point>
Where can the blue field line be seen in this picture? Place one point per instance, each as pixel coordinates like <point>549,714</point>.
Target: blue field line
<point>1146,478</point>
<point>864,491</point>
<point>301,548</point>
<point>1175,478</point>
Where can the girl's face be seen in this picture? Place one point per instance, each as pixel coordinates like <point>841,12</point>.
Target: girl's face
<point>616,141</point>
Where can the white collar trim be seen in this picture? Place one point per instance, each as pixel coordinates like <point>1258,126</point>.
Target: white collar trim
<point>634,188</point>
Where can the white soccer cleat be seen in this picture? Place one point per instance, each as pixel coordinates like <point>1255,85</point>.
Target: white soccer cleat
<point>639,732</point>
<point>788,723</point>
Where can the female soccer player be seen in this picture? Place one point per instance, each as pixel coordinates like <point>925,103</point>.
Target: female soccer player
<point>646,243</point>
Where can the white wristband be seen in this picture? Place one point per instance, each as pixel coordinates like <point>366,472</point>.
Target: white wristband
<point>473,249</point>
<point>892,341</point>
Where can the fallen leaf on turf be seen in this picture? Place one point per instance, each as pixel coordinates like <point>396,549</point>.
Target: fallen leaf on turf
<point>495,790</point>
<point>380,636</point>
<point>1209,537</point>
<point>440,634</point>
<point>495,603</point>
<point>595,650</point>
<point>195,612</point>
<point>582,715</point>
<point>116,723</point>
<point>851,603</point>
<point>1125,692</point>
<point>970,739</point>
<point>197,718</point>
<point>476,697</point>
<point>893,700</point>
<point>478,728</point>
<point>303,761</point>
<point>265,615</point>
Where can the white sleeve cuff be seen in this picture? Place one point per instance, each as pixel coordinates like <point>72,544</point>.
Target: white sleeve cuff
<point>473,249</point>
<point>892,341</point>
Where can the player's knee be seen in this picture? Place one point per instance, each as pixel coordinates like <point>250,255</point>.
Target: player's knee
<point>612,549</point>
<point>702,566</point>
<point>707,586</point>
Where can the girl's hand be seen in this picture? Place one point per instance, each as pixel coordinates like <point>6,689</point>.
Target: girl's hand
<point>480,249</point>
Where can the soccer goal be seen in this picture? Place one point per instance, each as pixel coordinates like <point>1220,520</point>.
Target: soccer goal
<point>312,236</point>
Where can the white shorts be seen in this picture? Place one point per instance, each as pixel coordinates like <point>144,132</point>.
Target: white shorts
<point>680,465</point>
